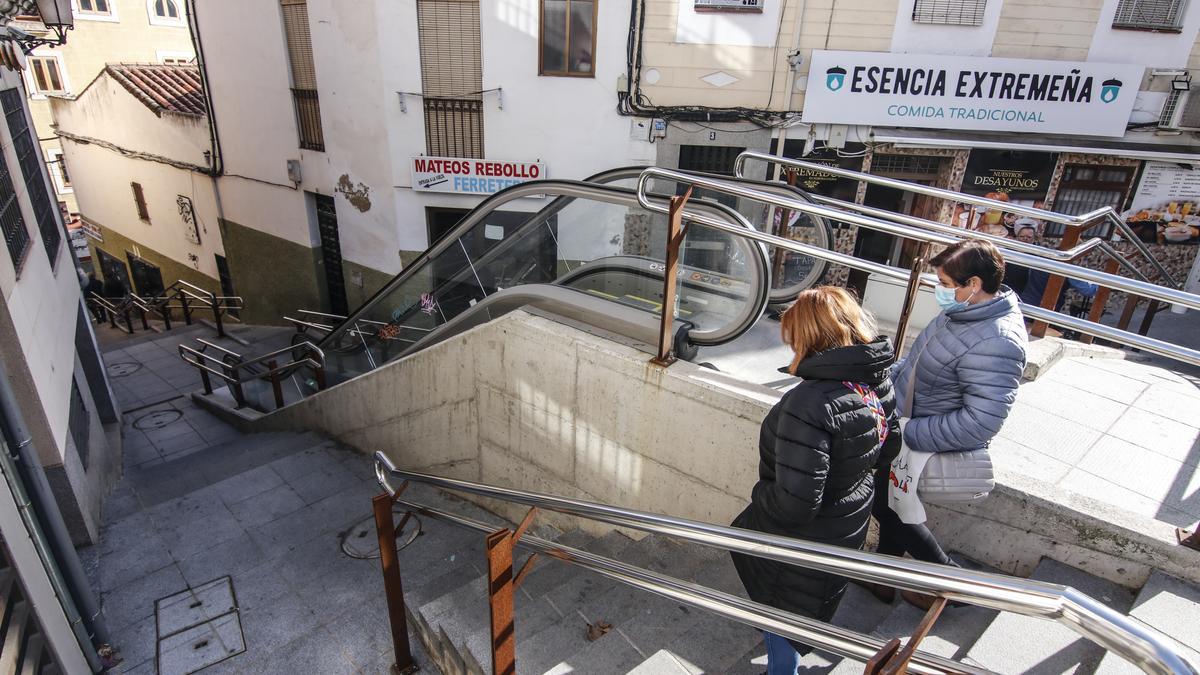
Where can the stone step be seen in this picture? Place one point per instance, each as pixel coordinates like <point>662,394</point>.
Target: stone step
<point>1171,607</point>
<point>1016,644</point>
<point>661,662</point>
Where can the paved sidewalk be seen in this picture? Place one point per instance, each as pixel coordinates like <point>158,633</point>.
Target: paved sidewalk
<point>200,503</point>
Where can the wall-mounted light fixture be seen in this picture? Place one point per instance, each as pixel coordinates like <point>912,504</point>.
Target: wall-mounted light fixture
<point>55,15</point>
<point>1181,82</point>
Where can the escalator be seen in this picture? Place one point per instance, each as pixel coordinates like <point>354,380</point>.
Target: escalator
<point>583,251</point>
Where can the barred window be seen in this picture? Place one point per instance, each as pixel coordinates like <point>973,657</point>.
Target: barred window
<point>1085,188</point>
<point>568,38</point>
<point>1150,14</point>
<point>949,12</point>
<point>451,77</point>
<point>30,160</point>
<point>304,74</point>
<point>16,236</point>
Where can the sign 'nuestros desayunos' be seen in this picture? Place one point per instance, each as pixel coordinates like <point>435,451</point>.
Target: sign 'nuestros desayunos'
<point>956,92</point>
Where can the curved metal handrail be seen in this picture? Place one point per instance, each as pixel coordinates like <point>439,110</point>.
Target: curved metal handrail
<point>1136,287</point>
<point>1108,213</point>
<point>1136,642</point>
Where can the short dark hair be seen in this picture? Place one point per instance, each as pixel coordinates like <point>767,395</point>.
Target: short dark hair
<point>972,258</point>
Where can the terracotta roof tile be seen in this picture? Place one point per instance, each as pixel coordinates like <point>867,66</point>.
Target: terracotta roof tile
<point>171,88</point>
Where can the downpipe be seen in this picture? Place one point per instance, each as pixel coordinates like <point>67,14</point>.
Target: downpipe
<point>26,478</point>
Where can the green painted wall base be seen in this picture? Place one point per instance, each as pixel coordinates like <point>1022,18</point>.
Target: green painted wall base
<point>275,276</point>
<point>118,246</point>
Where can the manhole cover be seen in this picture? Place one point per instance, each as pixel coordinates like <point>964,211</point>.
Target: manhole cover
<point>362,542</point>
<point>122,369</point>
<point>156,419</point>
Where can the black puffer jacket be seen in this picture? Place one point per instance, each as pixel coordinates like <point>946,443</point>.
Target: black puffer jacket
<point>818,449</point>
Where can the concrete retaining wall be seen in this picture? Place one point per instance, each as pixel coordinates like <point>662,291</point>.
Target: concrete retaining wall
<point>528,403</point>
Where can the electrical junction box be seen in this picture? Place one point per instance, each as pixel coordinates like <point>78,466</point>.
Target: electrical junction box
<point>658,128</point>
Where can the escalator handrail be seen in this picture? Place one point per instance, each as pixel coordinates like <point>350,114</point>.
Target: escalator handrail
<point>568,190</point>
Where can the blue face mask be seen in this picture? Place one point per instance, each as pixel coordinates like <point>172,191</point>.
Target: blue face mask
<point>946,300</point>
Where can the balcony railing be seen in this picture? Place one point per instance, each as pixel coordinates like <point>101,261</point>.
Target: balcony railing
<point>308,119</point>
<point>454,127</point>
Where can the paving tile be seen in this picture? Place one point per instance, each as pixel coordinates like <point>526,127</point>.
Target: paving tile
<point>136,642</point>
<point>123,566</point>
<point>228,557</point>
<point>181,445</point>
<point>324,481</point>
<point>1080,374</point>
<point>138,455</point>
<point>1071,403</point>
<point>1162,435</point>
<point>260,585</point>
<point>1171,402</point>
<point>1090,485</point>
<point>1065,441</point>
<point>248,484</point>
<point>310,653</point>
<point>134,602</point>
<point>269,626</point>
<point>362,633</point>
<point>136,531</point>
<point>282,535</point>
<point>1148,474</point>
<point>1137,370</point>
<point>1012,456</point>
<point>121,503</point>
<point>304,462</point>
<point>263,508</point>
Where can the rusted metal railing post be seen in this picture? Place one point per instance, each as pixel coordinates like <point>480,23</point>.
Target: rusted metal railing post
<point>276,384</point>
<point>675,232</point>
<point>898,664</point>
<point>165,311</point>
<point>206,381</point>
<point>112,316</point>
<point>785,215</point>
<point>235,385</point>
<point>1100,302</point>
<point>393,588</point>
<point>128,320</point>
<point>910,295</point>
<point>500,601</point>
<point>1152,310</point>
<point>1189,537</point>
<point>145,323</point>
<point>1054,284</point>
<point>216,310</point>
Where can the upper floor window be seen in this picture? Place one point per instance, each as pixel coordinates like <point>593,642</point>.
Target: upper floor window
<point>164,12</point>
<point>58,171</point>
<point>139,202</point>
<point>99,10</point>
<point>47,77</point>
<point>568,38</point>
<point>1150,14</point>
<point>949,12</point>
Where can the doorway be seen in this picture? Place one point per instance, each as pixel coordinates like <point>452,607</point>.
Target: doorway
<point>147,277</point>
<point>226,280</point>
<point>331,253</point>
<point>111,267</point>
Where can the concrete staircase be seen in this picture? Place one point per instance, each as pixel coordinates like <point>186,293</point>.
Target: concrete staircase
<point>444,582</point>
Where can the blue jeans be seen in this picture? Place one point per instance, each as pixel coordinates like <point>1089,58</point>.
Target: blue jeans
<point>782,658</point>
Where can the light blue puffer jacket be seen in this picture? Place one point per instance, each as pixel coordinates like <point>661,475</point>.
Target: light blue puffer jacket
<point>968,364</point>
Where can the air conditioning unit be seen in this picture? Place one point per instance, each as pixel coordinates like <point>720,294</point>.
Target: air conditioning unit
<point>1181,112</point>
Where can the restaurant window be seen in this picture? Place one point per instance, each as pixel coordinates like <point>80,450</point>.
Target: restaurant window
<point>949,12</point>
<point>451,77</point>
<point>30,159</point>
<point>47,76</point>
<point>95,7</point>
<point>304,74</point>
<point>139,201</point>
<point>1086,188</point>
<point>1149,14</point>
<point>12,223</point>
<point>568,38</point>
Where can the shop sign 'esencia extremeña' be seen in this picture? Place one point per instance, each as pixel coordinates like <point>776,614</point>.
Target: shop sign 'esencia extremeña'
<point>944,92</point>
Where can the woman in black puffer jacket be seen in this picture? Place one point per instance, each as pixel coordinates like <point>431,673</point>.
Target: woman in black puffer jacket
<point>818,450</point>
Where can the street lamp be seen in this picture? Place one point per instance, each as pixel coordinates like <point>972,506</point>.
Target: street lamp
<point>56,15</point>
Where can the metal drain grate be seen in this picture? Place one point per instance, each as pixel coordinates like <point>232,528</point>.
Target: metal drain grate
<point>122,369</point>
<point>156,419</point>
<point>198,627</point>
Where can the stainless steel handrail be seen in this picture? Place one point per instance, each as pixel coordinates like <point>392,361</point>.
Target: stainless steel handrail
<point>204,358</point>
<point>1108,213</point>
<point>829,637</point>
<point>1136,287</point>
<point>1141,645</point>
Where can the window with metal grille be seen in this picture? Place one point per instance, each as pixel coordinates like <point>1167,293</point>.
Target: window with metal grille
<point>1167,117</point>
<point>1149,14</point>
<point>139,201</point>
<point>94,7</point>
<point>567,37</point>
<point>715,159</point>
<point>451,77</point>
<point>46,76</point>
<point>907,164</point>
<point>1086,188</point>
<point>949,12</point>
<point>12,223</point>
<point>304,74</point>
<point>30,159</point>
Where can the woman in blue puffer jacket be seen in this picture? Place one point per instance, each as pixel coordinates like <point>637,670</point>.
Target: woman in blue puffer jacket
<point>959,381</point>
